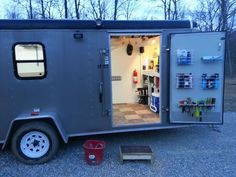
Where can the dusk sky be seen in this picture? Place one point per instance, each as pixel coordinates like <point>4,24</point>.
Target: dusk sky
<point>144,8</point>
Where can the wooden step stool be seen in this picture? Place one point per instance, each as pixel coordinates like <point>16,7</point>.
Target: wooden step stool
<point>135,153</point>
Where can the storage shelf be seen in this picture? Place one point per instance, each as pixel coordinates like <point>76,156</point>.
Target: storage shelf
<point>211,59</point>
<point>151,73</point>
<point>184,61</point>
<point>184,81</point>
<point>199,105</point>
<point>210,81</point>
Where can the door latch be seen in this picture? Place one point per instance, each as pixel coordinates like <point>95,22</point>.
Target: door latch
<point>165,109</point>
<point>101,92</point>
<point>105,58</point>
<point>107,112</point>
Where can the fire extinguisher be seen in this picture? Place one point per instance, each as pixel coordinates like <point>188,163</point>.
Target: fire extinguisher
<point>135,77</point>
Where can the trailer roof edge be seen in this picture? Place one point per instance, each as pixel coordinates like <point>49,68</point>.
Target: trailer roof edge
<point>95,24</point>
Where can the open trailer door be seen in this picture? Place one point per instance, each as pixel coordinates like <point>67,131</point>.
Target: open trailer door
<point>197,77</point>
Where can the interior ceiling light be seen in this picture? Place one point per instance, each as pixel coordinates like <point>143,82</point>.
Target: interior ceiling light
<point>154,41</point>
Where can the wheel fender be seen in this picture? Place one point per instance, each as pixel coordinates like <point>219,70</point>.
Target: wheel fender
<point>52,117</point>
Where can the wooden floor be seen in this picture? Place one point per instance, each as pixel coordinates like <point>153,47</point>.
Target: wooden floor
<point>132,114</point>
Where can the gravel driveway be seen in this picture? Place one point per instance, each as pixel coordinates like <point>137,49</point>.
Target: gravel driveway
<point>193,151</point>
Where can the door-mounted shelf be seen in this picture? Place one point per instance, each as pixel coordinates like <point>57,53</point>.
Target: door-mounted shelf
<point>184,81</point>
<point>197,105</point>
<point>184,57</point>
<point>210,82</point>
<point>208,102</point>
<point>151,73</point>
<point>211,59</point>
<point>195,108</point>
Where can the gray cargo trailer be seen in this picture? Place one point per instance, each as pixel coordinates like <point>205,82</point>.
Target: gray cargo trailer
<point>68,78</point>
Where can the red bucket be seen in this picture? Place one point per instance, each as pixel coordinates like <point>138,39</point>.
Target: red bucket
<point>94,150</point>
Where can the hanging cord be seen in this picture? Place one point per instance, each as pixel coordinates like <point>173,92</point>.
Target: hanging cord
<point>140,64</point>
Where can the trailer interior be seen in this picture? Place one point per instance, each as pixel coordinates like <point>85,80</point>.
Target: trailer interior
<point>135,79</point>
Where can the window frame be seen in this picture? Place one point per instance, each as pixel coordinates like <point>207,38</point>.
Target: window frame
<point>15,62</point>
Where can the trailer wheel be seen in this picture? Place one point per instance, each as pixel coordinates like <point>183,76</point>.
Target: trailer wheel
<point>35,143</point>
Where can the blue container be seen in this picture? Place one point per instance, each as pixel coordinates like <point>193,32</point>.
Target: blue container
<point>210,82</point>
<point>154,105</point>
<point>184,60</point>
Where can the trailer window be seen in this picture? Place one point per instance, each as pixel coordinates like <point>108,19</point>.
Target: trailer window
<point>29,60</point>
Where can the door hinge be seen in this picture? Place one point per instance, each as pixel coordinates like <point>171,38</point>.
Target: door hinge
<point>165,109</point>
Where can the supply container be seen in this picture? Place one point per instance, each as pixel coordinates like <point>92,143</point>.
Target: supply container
<point>94,151</point>
<point>154,105</point>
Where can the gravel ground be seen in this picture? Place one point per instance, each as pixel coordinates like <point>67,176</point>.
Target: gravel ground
<point>230,94</point>
<point>192,151</point>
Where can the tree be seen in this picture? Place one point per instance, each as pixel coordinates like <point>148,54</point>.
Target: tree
<point>171,9</point>
<point>28,6</point>
<point>45,8</point>
<point>166,5</point>
<point>218,15</point>
<point>226,23</point>
<point>42,8</point>
<point>115,9</point>
<point>80,8</point>
<point>124,8</point>
<point>30,10</point>
<point>66,8</point>
<point>206,15</point>
<point>12,12</point>
<point>77,7</point>
<point>50,8</point>
<point>128,8</point>
<point>227,10</point>
<point>178,11</point>
<point>99,9</point>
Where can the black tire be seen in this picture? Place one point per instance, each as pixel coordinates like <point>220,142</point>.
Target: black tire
<point>41,127</point>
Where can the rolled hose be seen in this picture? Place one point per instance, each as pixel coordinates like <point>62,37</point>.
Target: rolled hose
<point>153,108</point>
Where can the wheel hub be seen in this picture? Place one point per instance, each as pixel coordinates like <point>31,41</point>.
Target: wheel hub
<point>34,144</point>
